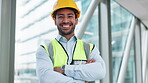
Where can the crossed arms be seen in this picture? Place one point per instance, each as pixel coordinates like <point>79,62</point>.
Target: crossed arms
<point>94,69</point>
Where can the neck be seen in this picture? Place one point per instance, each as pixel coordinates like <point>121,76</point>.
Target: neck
<point>67,36</point>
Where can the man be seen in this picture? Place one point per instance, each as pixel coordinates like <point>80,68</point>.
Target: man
<point>67,59</point>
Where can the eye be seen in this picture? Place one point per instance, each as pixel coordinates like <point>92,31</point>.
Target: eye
<point>60,16</point>
<point>70,16</point>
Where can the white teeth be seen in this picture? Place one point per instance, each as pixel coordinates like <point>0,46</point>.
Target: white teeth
<point>65,25</point>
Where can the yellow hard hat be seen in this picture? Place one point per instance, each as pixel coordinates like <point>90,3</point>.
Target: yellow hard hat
<point>65,4</point>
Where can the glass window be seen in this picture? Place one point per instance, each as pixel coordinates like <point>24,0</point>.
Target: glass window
<point>91,33</point>
<point>120,23</point>
<point>33,26</point>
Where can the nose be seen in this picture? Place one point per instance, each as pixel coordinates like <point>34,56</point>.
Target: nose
<point>65,20</point>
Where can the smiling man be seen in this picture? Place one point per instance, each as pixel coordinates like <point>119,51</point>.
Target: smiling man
<point>67,59</point>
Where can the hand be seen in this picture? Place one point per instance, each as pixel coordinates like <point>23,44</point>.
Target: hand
<point>58,69</point>
<point>90,61</point>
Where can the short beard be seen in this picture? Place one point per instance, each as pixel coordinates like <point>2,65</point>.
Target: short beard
<point>68,33</point>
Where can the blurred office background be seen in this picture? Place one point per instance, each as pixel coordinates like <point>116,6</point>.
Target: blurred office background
<point>112,25</point>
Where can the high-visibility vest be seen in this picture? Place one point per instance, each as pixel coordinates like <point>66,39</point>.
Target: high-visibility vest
<point>59,56</point>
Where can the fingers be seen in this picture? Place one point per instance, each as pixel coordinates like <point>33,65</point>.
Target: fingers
<point>90,61</point>
<point>58,69</point>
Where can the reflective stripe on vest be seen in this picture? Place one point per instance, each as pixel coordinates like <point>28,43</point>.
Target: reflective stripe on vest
<point>60,56</point>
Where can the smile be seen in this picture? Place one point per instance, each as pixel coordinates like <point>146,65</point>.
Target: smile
<point>66,26</point>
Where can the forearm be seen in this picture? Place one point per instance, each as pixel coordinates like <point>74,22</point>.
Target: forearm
<point>55,77</point>
<point>87,72</point>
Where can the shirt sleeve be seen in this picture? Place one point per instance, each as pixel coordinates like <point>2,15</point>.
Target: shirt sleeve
<point>45,73</point>
<point>88,72</point>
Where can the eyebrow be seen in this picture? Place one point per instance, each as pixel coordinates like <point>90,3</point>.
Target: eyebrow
<point>70,14</point>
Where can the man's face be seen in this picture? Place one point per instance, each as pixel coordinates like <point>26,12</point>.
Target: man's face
<point>66,21</point>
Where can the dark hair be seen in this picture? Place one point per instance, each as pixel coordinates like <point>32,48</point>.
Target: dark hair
<point>74,10</point>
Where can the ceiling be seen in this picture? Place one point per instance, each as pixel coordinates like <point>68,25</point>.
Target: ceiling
<point>139,8</point>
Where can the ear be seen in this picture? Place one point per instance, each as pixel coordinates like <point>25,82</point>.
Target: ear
<point>76,21</point>
<point>55,21</point>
